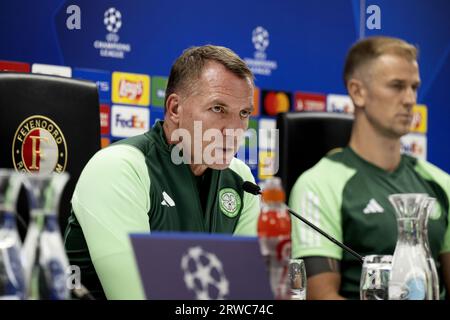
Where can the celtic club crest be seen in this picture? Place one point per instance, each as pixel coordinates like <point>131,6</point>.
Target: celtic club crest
<point>230,202</point>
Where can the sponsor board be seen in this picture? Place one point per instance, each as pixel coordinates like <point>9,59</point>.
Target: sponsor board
<point>306,101</point>
<point>53,70</point>
<point>14,66</point>
<point>420,117</point>
<point>267,164</point>
<point>256,101</point>
<point>250,135</point>
<point>156,114</point>
<point>104,142</point>
<point>340,103</point>
<point>101,78</point>
<point>129,121</point>
<point>274,102</point>
<point>131,88</point>
<point>105,114</point>
<point>267,137</point>
<point>248,151</point>
<point>415,145</point>
<point>159,85</point>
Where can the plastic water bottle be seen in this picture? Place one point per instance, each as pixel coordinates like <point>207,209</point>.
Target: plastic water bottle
<point>274,232</point>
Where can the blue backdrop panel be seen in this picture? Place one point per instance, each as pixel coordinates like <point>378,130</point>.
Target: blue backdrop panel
<point>308,40</point>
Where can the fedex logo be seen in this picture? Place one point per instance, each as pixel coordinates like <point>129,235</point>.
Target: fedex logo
<point>130,89</point>
<point>414,145</point>
<point>339,103</point>
<point>133,122</point>
<point>129,121</point>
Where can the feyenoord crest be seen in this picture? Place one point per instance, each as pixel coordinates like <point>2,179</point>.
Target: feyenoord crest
<point>39,146</point>
<point>230,202</point>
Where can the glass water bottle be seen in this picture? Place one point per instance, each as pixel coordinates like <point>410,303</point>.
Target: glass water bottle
<point>12,281</point>
<point>411,275</point>
<point>45,261</point>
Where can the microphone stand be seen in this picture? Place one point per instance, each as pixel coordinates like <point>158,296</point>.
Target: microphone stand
<point>255,190</point>
<point>343,246</point>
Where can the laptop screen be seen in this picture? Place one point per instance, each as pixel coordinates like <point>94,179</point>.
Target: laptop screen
<point>188,266</point>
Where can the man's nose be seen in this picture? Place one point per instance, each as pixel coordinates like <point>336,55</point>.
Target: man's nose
<point>410,97</point>
<point>234,122</point>
<point>234,129</point>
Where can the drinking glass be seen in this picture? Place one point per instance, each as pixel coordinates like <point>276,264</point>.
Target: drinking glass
<point>375,275</point>
<point>297,279</point>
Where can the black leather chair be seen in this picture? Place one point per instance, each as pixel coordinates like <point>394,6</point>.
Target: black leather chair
<point>305,137</point>
<point>48,123</point>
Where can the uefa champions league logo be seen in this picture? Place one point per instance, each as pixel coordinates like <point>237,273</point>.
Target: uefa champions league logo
<point>113,20</point>
<point>260,38</point>
<point>259,64</point>
<point>203,274</point>
<point>112,48</point>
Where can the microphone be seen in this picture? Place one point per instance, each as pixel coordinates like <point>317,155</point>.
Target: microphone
<point>256,190</point>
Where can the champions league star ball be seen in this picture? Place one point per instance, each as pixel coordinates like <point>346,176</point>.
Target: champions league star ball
<point>260,38</point>
<point>203,274</point>
<point>112,20</point>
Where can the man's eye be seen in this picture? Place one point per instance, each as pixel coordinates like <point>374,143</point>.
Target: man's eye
<point>397,86</point>
<point>245,114</point>
<point>217,109</point>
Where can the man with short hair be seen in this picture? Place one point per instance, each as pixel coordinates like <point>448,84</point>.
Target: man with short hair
<point>346,192</point>
<point>179,176</point>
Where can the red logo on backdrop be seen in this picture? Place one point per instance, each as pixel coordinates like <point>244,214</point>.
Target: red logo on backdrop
<point>39,146</point>
<point>305,101</point>
<point>275,102</point>
<point>14,66</point>
<point>105,115</point>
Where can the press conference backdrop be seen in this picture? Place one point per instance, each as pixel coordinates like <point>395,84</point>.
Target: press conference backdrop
<point>296,49</point>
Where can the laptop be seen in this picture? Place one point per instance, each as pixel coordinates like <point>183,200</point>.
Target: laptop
<point>196,266</point>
